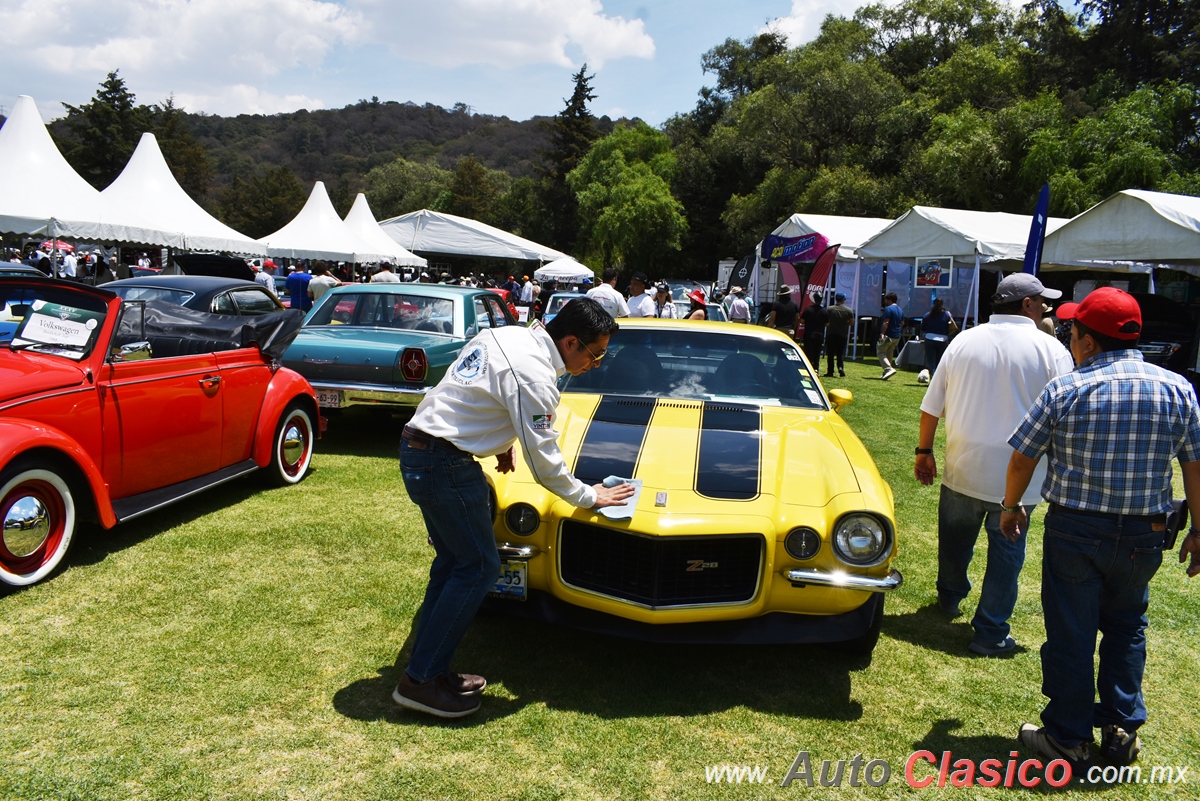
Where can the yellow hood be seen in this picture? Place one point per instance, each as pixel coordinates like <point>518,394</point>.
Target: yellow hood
<point>725,458</point>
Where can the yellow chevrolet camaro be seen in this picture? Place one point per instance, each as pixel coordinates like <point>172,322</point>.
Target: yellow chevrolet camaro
<point>760,517</point>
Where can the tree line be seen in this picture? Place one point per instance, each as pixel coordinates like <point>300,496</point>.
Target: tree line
<point>957,103</point>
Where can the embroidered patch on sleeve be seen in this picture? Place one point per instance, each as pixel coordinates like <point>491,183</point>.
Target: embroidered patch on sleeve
<point>542,422</point>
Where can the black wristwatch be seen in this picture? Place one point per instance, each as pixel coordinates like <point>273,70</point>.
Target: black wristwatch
<point>924,451</point>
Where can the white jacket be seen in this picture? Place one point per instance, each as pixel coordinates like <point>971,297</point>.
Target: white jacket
<point>504,387</point>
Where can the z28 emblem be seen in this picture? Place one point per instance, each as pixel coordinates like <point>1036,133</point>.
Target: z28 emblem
<point>697,565</point>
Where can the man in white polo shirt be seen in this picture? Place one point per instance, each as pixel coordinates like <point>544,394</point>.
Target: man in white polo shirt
<point>606,294</point>
<point>988,378</point>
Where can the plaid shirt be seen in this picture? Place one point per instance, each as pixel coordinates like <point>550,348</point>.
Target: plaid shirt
<point>1111,429</point>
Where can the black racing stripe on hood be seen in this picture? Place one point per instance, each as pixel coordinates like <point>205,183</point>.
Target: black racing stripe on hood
<point>613,440</point>
<point>729,461</point>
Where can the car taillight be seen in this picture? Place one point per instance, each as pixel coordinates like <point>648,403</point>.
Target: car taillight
<point>413,364</point>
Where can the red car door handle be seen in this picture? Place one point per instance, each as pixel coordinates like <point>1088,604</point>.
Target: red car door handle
<point>210,382</point>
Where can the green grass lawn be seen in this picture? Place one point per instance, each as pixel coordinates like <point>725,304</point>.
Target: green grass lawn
<point>243,645</point>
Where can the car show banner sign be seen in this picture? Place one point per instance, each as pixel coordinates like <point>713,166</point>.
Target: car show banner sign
<point>794,248</point>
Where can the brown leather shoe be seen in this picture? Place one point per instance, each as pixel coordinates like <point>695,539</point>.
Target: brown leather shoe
<point>434,697</point>
<point>466,683</point>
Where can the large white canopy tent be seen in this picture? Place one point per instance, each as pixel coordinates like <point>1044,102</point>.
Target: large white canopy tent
<point>975,238</point>
<point>362,224</point>
<point>1132,231</point>
<point>428,231</point>
<point>566,270</point>
<point>41,195</point>
<point>147,187</point>
<point>317,232</point>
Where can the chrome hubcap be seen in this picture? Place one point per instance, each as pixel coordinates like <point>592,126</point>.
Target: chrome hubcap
<point>293,444</point>
<point>26,526</point>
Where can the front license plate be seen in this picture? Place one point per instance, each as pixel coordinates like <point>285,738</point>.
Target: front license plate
<point>511,583</point>
<point>329,398</point>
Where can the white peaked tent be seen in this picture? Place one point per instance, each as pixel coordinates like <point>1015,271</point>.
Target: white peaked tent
<point>428,231</point>
<point>317,232</point>
<point>994,238</point>
<point>1132,231</point>
<point>565,270</point>
<point>847,232</point>
<point>362,223</point>
<point>147,187</point>
<point>41,195</point>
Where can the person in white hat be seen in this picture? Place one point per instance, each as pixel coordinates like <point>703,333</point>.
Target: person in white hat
<point>987,380</point>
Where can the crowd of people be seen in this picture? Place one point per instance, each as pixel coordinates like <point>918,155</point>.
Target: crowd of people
<point>1026,419</point>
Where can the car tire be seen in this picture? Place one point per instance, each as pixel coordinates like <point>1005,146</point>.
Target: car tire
<point>39,518</point>
<point>864,644</point>
<point>292,446</point>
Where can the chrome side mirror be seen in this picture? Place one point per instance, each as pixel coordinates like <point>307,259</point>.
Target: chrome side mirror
<point>133,352</point>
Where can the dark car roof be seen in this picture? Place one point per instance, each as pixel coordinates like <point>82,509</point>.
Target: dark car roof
<point>205,287</point>
<point>22,270</point>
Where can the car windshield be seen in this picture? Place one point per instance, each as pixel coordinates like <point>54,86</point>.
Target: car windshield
<point>177,296</point>
<point>701,365</point>
<point>385,310</point>
<point>49,319</point>
<point>558,301</point>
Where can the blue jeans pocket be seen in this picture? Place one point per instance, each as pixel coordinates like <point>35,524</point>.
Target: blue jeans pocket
<point>1071,559</point>
<point>418,481</point>
<point>1146,562</point>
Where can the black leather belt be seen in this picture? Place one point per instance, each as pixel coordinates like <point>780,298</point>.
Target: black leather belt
<point>1113,516</point>
<point>416,438</point>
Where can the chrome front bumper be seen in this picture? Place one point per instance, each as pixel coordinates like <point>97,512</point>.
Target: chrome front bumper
<point>368,394</point>
<point>846,581</point>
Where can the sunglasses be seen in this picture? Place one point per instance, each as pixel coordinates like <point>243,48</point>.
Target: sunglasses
<point>595,359</point>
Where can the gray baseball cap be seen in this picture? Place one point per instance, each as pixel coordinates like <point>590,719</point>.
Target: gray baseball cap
<point>1019,286</point>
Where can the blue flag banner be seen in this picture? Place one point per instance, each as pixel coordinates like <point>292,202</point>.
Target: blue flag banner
<point>794,248</point>
<point>1037,232</point>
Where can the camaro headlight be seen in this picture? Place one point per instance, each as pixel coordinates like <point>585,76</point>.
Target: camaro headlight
<point>802,543</point>
<point>522,519</point>
<point>862,540</point>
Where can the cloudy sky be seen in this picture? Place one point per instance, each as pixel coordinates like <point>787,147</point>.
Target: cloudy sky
<point>503,57</point>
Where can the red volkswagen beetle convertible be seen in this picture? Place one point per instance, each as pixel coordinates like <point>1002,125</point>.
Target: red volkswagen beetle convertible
<point>110,409</point>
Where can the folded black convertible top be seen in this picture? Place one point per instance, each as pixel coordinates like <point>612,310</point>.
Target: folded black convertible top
<point>174,330</point>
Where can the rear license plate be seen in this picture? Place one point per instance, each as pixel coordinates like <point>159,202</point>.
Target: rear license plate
<point>511,584</point>
<point>329,398</point>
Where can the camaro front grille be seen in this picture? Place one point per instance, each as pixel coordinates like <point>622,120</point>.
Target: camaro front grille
<point>660,571</point>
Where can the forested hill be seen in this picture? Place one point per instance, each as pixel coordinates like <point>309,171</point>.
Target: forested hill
<point>333,145</point>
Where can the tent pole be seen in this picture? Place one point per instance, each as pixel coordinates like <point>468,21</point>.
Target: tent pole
<point>857,274</point>
<point>975,286</point>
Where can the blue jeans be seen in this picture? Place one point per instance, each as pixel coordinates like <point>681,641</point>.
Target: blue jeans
<point>959,518</point>
<point>452,494</point>
<point>933,354</point>
<point>1095,578</point>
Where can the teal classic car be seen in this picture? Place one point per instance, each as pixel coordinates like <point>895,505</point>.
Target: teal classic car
<point>387,344</point>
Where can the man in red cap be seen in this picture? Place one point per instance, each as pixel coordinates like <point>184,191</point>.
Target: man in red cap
<point>1110,431</point>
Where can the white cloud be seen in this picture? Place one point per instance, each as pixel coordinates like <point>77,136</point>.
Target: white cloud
<point>804,23</point>
<point>265,56</point>
<point>505,33</point>
<point>206,47</point>
<point>244,99</point>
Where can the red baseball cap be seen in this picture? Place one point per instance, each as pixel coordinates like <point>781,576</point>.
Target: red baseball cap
<point>1107,311</point>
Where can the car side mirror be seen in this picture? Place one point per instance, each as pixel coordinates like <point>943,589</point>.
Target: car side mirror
<point>840,397</point>
<point>133,352</point>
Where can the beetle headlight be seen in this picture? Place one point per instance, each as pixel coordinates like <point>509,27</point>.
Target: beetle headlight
<point>861,540</point>
<point>522,519</point>
<point>802,543</point>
